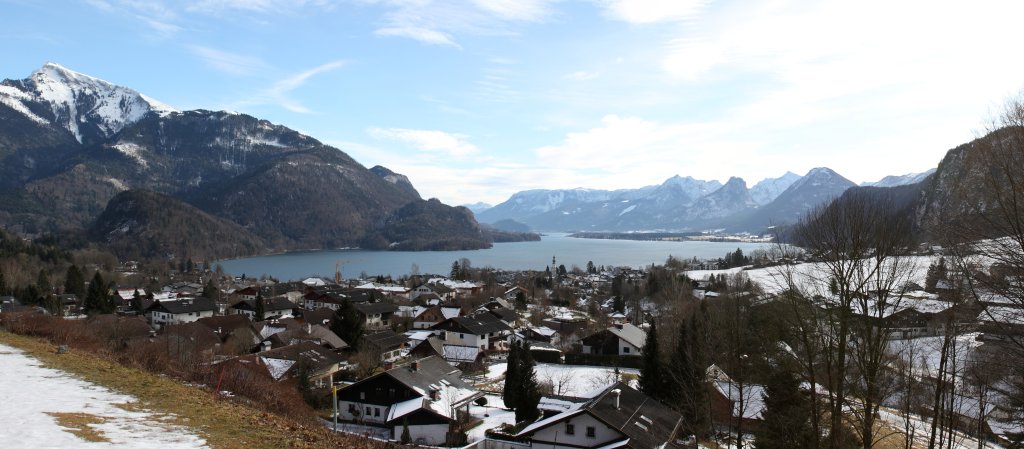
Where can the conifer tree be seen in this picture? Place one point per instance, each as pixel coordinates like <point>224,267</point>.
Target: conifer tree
<point>136,302</point>
<point>651,381</point>
<point>529,389</point>
<point>97,298</point>
<point>211,291</point>
<point>43,284</point>
<point>3,284</point>
<point>260,307</point>
<point>74,282</point>
<point>786,414</point>
<point>406,436</point>
<point>510,392</point>
<point>348,324</point>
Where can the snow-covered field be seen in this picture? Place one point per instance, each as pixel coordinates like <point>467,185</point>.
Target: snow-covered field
<point>569,380</point>
<point>32,398</point>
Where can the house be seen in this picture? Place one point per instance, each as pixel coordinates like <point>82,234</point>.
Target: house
<point>320,364</point>
<point>620,339</point>
<point>386,343</point>
<point>186,310</point>
<point>248,293</point>
<point>426,317</point>
<point>541,334</point>
<point>378,315</point>
<point>425,396</point>
<point>483,330</point>
<point>512,293</point>
<point>617,417</point>
<point>236,332</point>
<point>276,307</point>
<point>732,401</point>
<point>455,355</point>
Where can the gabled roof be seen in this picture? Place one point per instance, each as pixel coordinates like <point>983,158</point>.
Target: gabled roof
<point>384,339</point>
<point>316,357</point>
<point>269,304</point>
<point>752,395</point>
<point>642,420</point>
<point>376,308</point>
<point>630,334</point>
<point>180,306</point>
<point>480,324</point>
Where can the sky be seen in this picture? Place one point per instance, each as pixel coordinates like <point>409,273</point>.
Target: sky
<point>475,100</point>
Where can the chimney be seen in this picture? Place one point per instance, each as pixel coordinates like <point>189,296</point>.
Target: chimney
<point>616,393</point>
<point>414,366</point>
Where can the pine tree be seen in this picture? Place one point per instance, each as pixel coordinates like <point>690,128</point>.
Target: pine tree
<point>686,390</point>
<point>261,312</point>
<point>348,324</point>
<point>96,297</point>
<point>136,302</point>
<point>786,414</point>
<point>456,271</point>
<point>406,436</point>
<point>529,389</point>
<point>211,291</point>
<point>3,284</point>
<point>651,381</point>
<point>74,282</point>
<point>510,393</point>
<point>43,283</point>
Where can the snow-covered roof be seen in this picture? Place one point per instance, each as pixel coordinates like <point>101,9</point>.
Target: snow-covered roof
<point>752,396</point>
<point>314,282</point>
<point>460,354</point>
<point>404,408</point>
<point>630,334</point>
<point>277,367</point>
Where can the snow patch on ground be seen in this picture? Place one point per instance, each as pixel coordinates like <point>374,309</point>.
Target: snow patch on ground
<point>118,184</point>
<point>31,392</point>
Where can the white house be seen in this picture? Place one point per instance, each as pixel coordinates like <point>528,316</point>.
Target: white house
<point>621,339</point>
<point>186,310</point>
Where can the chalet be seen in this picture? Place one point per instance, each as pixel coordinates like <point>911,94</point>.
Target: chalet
<point>308,332</point>
<point>617,417</point>
<point>386,289</point>
<point>248,293</point>
<point>541,334</point>
<point>441,291</point>
<point>566,324</point>
<point>732,401</point>
<point>179,311</point>
<point>386,343</point>
<point>425,396</point>
<point>429,316</point>
<point>484,331</point>
<point>287,362</point>
<point>378,315</point>
<point>620,339</point>
<point>512,293</point>
<point>235,331</point>
<point>191,338</point>
<point>276,307</point>
<point>455,355</point>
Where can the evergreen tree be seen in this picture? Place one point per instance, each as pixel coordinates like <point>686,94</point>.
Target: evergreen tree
<point>136,302</point>
<point>97,297</point>
<point>29,295</point>
<point>456,271</point>
<point>529,389</point>
<point>510,393</point>
<point>190,266</point>
<point>686,383</point>
<point>406,436</point>
<point>261,312</point>
<point>3,284</point>
<point>43,283</point>
<point>348,324</point>
<point>651,381</point>
<point>211,291</point>
<point>618,304</point>
<point>74,282</point>
<point>52,304</point>
<point>786,414</point>
<point>590,267</point>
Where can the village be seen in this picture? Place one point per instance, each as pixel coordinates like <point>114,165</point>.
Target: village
<point>425,360</point>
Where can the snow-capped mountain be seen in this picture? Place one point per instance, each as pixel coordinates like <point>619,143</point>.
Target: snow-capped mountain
<point>768,189</point>
<point>537,202</point>
<point>87,107</point>
<point>899,180</point>
<point>70,143</point>
<point>730,199</point>
<point>478,207</point>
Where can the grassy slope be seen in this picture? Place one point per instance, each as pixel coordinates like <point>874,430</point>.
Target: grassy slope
<point>224,424</point>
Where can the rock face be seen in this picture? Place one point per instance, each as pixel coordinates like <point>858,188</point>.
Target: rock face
<point>69,143</point>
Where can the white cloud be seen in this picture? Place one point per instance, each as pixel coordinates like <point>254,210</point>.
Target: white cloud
<point>227,62</point>
<point>651,11</point>
<point>519,10</point>
<point>431,141</point>
<point>425,35</point>
<point>280,90</point>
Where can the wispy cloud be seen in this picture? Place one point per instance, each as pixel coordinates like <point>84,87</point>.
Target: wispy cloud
<point>230,63</point>
<point>282,89</point>
<point>425,35</point>
<point>431,141</point>
<point>651,11</point>
<point>438,22</point>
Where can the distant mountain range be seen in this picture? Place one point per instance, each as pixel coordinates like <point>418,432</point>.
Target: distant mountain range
<point>680,204</point>
<point>71,143</point>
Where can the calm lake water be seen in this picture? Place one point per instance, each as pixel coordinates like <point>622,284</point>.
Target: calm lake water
<point>509,256</point>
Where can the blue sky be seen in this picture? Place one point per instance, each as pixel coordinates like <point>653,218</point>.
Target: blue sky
<point>477,99</point>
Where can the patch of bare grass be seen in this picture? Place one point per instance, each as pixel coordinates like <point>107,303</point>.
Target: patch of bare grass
<point>81,425</point>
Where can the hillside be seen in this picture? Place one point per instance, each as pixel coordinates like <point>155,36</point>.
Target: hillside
<point>69,143</point>
<point>137,223</point>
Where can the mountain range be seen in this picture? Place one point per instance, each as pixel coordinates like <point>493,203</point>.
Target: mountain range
<point>680,204</point>
<point>71,143</point>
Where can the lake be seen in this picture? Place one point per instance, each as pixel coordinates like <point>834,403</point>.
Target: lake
<point>508,256</point>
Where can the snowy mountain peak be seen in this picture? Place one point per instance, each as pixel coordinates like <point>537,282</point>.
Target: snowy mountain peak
<point>87,107</point>
<point>768,189</point>
<point>899,180</point>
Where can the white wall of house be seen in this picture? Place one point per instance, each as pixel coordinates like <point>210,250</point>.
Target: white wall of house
<point>465,339</point>
<point>427,434</point>
<point>161,318</point>
<point>557,437</point>
<point>627,349</point>
<point>368,413</point>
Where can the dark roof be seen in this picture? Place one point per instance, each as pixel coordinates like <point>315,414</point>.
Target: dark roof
<point>318,316</point>
<point>376,308</point>
<point>505,314</point>
<point>646,422</point>
<point>226,323</point>
<point>275,303</point>
<point>480,324</point>
<point>316,356</point>
<point>384,339</point>
<point>198,334</point>
<point>428,373</point>
<point>183,305</point>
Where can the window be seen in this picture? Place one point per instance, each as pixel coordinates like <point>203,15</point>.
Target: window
<point>591,432</point>
<point>376,412</point>
<point>462,335</point>
<point>625,350</point>
<point>367,411</point>
<point>570,429</point>
<point>352,408</point>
